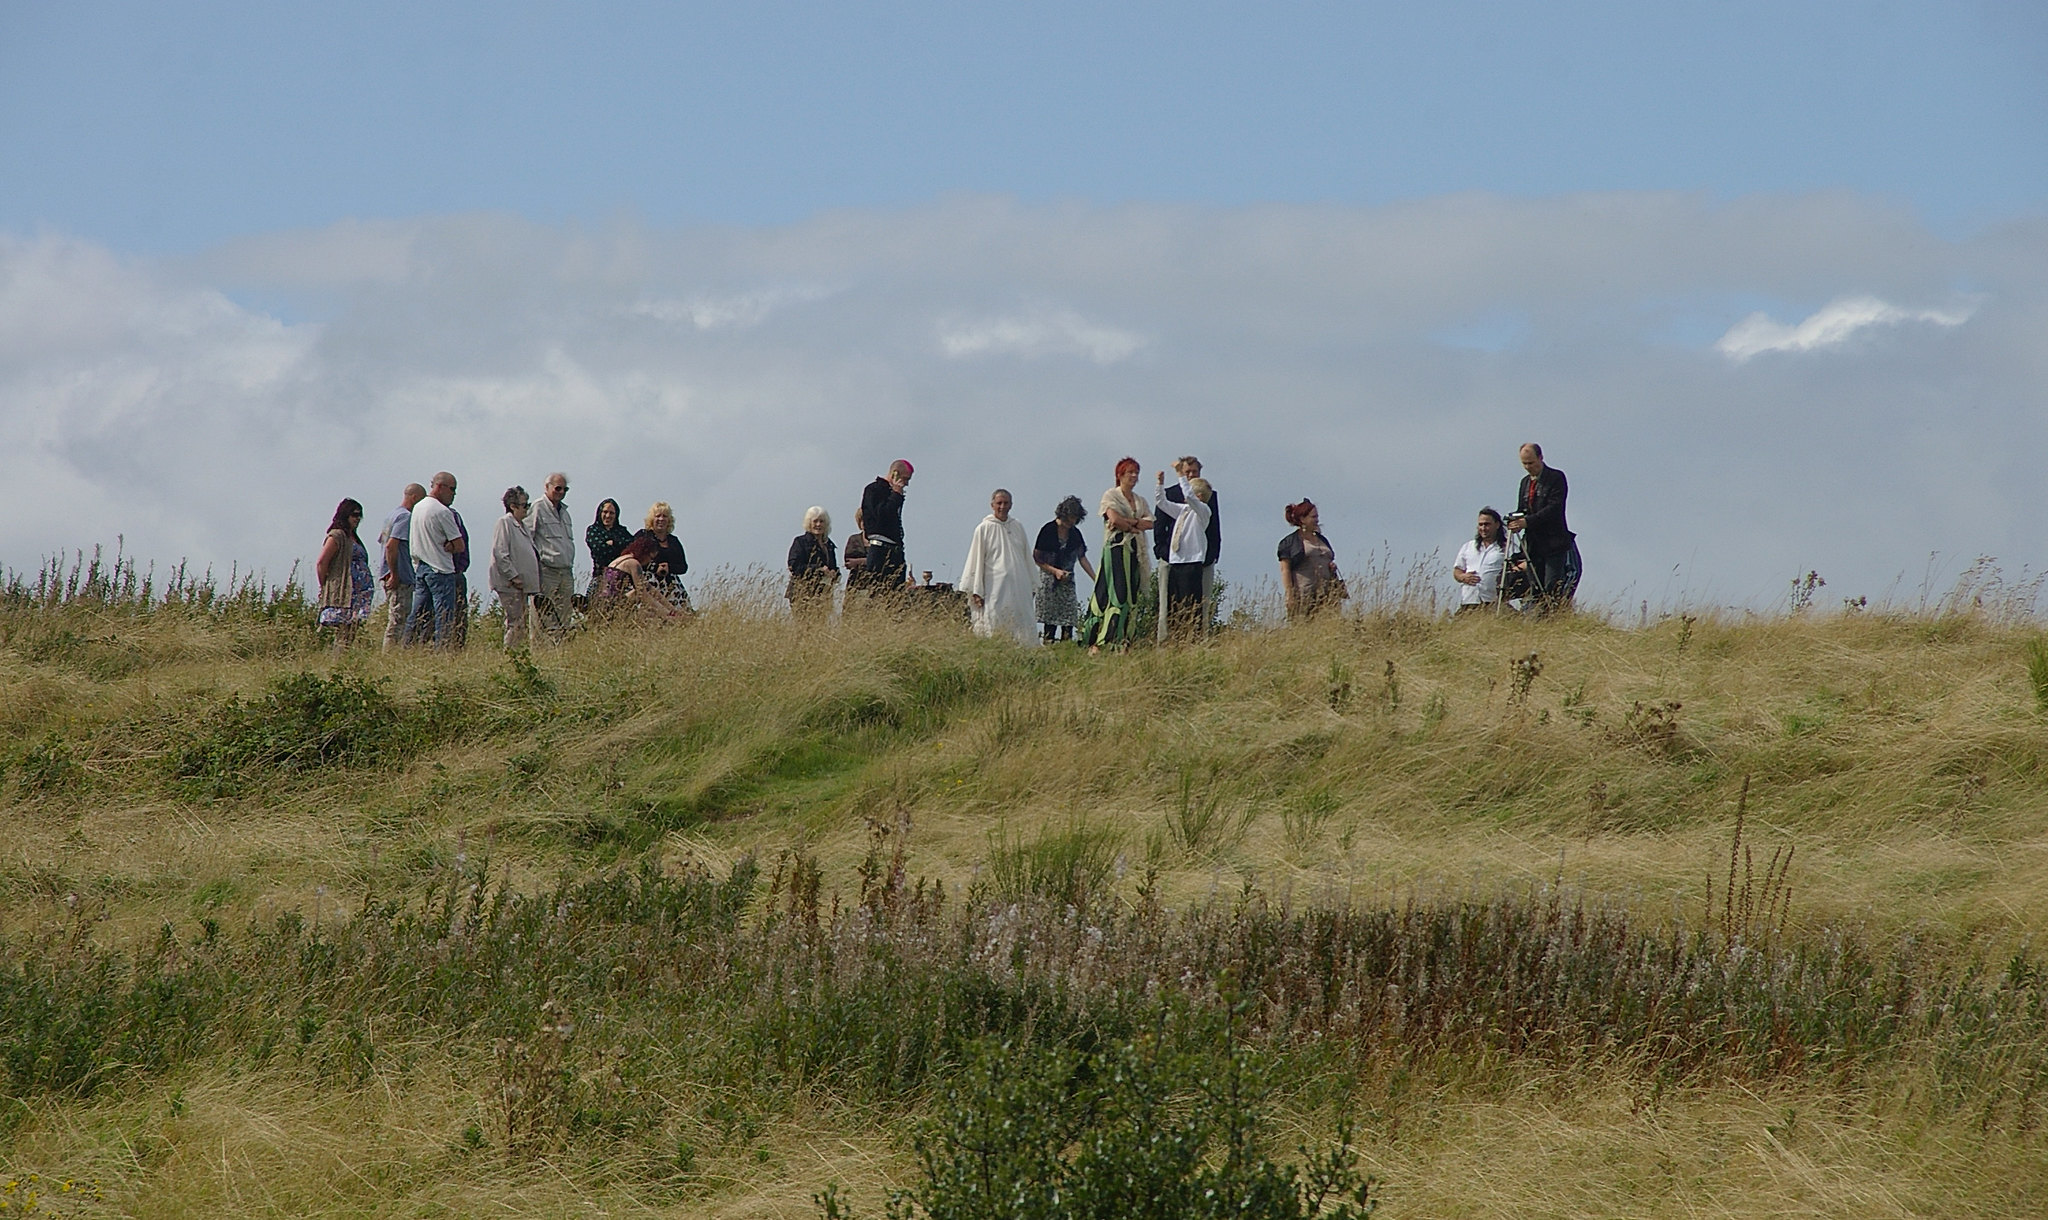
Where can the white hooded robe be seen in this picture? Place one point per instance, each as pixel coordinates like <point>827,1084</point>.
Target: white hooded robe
<point>1000,571</point>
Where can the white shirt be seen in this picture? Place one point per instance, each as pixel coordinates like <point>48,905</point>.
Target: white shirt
<point>554,535</point>
<point>433,528</point>
<point>1489,561</point>
<point>1190,529</point>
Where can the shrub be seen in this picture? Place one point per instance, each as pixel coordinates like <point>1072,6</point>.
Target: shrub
<point>1064,866</point>
<point>1132,1131</point>
<point>304,722</point>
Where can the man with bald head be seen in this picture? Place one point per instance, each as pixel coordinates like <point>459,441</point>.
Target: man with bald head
<point>396,541</point>
<point>440,603</point>
<point>1548,544</point>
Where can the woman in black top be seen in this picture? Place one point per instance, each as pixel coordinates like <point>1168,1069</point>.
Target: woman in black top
<point>1059,550</point>
<point>605,539</point>
<point>813,568</point>
<point>669,565</point>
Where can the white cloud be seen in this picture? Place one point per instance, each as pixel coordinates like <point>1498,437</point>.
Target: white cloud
<point>1060,332</point>
<point>1296,349</point>
<point>1831,325</point>
<point>737,311</point>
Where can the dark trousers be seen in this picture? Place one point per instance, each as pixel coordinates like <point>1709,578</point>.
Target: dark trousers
<point>1184,599</point>
<point>1556,576</point>
<point>884,568</point>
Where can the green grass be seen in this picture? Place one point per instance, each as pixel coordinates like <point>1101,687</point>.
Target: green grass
<point>696,922</point>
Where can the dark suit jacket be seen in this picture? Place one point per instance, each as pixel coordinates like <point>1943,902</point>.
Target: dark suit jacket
<point>1541,503</point>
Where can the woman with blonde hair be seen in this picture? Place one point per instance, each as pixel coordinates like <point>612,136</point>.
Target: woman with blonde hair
<point>666,570</point>
<point>1126,518</point>
<point>343,570</point>
<point>813,568</point>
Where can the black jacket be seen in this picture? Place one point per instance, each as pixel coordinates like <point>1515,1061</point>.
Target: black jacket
<point>1162,526</point>
<point>1541,503</point>
<point>881,511</point>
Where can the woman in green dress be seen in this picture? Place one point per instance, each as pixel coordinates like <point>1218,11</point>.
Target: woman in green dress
<point>1126,520</point>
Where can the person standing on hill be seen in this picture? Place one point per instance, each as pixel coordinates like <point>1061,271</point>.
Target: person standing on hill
<point>1188,468</point>
<point>1308,565</point>
<point>1547,541</point>
<point>1061,551</point>
<point>1125,519</point>
<point>343,570</point>
<point>440,604</point>
<point>515,566</point>
<point>881,519</point>
<point>605,539</point>
<point>1181,611</point>
<point>394,545</point>
<point>813,568</point>
<point>554,540</point>
<point>998,576</point>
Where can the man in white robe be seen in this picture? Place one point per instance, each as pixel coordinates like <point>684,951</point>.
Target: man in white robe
<point>999,577</point>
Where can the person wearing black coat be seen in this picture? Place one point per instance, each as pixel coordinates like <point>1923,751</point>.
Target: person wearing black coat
<point>1552,550</point>
<point>881,520</point>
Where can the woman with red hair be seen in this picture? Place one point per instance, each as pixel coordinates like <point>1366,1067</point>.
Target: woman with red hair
<point>1308,565</point>
<point>1126,519</point>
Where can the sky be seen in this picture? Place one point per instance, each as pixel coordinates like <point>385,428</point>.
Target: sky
<point>1769,281</point>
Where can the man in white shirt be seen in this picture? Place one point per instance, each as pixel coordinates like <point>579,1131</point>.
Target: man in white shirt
<point>999,576</point>
<point>554,536</point>
<point>1480,563</point>
<point>1187,554</point>
<point>440,604</point>
<point>1189,468</point>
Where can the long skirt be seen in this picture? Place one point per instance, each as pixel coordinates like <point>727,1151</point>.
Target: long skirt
<point>1114,607</point>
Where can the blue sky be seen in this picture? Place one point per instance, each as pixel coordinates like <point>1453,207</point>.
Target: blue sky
<point>1725,259</point>
<point>159,127</point>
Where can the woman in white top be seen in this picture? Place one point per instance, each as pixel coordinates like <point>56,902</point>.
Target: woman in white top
<point>1480,564</point>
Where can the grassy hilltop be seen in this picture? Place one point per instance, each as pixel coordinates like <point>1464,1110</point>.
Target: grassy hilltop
<point>1710,916</point>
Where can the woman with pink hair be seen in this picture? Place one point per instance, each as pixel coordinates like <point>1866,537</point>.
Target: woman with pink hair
<point>1126,519</point>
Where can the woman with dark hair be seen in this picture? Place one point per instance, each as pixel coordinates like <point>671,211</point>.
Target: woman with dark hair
<point>626,584</point>
<point>1308,565</point>
<point>343,570</point>
<point>1481,563</point>
<point>1126,518</point>
<point>605,538</point>
<point>1061,548</point>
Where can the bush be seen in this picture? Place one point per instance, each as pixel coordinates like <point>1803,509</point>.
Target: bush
<point>305,722</point>
<point>1132,1131</point>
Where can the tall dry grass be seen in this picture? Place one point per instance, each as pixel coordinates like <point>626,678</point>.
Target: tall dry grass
<point>197,758</point>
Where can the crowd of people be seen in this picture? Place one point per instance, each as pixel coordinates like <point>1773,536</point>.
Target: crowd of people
<point>1160,553</point>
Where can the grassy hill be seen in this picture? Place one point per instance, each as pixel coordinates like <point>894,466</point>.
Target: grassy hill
<point>1708,916</point>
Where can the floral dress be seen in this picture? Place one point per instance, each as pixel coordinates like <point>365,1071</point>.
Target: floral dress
<point>362,591</point>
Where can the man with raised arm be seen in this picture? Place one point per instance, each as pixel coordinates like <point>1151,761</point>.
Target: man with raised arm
<point>1189,469</point>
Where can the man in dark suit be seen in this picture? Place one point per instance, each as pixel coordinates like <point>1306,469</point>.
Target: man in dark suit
<point>1188,468</point>
<point>1551,549</point>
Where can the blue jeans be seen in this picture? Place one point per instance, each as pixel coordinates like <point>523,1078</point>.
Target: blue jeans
<point>439,601</point>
